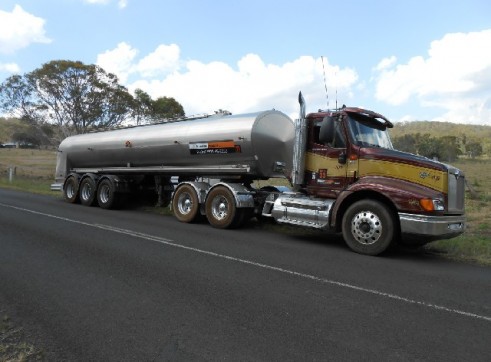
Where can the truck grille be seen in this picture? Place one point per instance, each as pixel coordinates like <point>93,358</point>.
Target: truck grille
<point>456,191</point>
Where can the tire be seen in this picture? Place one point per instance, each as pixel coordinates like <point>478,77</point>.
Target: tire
<point>369,227</point>
<point>106,194</point>
<point>221,210</point>
<point>70,190</point>
<point>185,204</point>
<point>87,192</point>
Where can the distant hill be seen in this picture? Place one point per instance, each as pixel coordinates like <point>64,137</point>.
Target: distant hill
<point>441,129</point>
<point>465,134</point>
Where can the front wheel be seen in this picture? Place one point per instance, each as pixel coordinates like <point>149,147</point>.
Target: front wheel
<point>369,227</point>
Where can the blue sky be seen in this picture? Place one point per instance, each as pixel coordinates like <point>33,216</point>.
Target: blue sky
<point>409,60</point>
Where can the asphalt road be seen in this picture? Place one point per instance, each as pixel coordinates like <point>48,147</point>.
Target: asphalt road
<point>97,285</point>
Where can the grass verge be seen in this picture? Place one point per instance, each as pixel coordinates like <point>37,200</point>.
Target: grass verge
<point>34,185</point>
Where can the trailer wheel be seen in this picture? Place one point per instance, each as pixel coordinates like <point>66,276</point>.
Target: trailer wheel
<point>185,204</point>
<point>369,227</point>
<point>88,190</point>
<point>106,194</point>
<point>221,211</point>
<point>70,190</point>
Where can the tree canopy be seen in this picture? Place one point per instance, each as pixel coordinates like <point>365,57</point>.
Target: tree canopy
<point>147,110</point>
<point>79,98</point>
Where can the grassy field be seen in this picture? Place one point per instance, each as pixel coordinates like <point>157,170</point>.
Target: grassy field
<point>475,243</point>
<point>35,171</point>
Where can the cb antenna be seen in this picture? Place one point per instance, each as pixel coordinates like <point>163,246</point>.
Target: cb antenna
<point>325,82</point>
<point>336,84</point>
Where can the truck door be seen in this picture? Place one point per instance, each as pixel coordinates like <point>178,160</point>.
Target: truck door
<point>326,163</point>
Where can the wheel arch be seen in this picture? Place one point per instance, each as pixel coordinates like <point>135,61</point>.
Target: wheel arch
<point>92,176</point>
<point>75,175</point>
<point>243,196</point>
<point>349,198</point>
<point>121,185</point>
<point>201,189</point>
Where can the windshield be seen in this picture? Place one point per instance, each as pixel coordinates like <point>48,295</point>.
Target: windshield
<point>366,132</point>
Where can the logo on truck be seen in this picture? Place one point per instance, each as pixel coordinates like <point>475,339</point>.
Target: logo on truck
<point>214,148</point>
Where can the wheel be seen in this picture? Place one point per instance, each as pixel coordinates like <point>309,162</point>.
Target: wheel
<point>88,190</point>
<point>185,204</point>
<point>221,211</point>
<point>369,227</point>
<point>70,190</point>
<point>106,195</point>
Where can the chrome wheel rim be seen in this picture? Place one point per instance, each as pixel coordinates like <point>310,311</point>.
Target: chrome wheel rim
<point>185,203</point>
<point>104,194</point>
<point>366,227</point>
<point>70,190</point>
<point>220,208</point>
<point>86,192</point>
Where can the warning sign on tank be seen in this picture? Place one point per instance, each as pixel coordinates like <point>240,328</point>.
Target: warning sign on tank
<point>214,148</point>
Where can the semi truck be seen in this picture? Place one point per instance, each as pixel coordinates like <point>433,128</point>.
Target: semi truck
<point>342,175</point>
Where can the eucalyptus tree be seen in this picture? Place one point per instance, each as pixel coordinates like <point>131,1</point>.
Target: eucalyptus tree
<point>76,97</point>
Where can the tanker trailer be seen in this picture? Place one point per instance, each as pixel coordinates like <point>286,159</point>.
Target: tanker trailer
<point>98,168</point>
<point>346,176</point>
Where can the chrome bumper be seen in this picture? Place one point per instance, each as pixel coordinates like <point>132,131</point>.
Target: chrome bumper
<point>432,227</point>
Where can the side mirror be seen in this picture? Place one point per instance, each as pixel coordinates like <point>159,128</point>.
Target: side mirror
<point>326,132</point>
<point>342,158</point>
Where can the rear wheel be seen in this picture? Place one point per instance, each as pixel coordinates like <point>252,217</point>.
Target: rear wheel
<point>70,190</point>
<point>369,227</point>
<point>88,190</point>
<point>221,210</point>
<point>106,194</point>
<point>185,204</point>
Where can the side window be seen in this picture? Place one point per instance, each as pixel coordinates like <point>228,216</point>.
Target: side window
<point>339,139</point>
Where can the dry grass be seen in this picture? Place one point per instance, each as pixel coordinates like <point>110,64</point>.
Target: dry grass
<point>28,163</point>
<point>475,243</point>
<point>13,347</point>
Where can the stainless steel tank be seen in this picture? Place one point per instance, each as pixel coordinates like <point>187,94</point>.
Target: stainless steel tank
<point>261,141</point>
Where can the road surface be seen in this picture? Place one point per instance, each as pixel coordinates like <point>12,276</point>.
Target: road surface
<point>102,285</point>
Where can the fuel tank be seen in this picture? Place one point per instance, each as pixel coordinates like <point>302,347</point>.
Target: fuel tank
<point>261,141</point>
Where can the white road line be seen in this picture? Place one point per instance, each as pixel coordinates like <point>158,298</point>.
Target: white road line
<point>172,243</point>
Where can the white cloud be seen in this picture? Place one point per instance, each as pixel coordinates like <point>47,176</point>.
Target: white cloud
<point>163,60</point>
<point>121,3</point>
<point>102,2</point>
<point>122,61</point>
<point>455,76</point>
<point>386,63</point>
<point>18,29</point>
<point>9,68</point>
<point>250,86</point>
<point>118,61</point>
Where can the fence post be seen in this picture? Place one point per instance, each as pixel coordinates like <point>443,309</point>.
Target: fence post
<point>11,171</point>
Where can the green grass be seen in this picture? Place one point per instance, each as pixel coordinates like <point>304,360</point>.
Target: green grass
<point>35,170</point>
<point>475,244</point>
<point>37,186</point>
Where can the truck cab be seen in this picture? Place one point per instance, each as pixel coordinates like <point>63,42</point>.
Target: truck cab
<point>353,181</point>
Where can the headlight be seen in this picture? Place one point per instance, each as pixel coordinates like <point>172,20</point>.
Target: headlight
<point>432,204</point>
